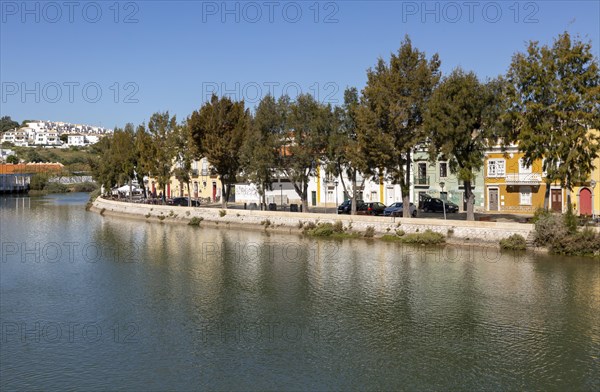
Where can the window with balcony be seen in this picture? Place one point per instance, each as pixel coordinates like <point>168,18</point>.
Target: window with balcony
<point>496,168</point>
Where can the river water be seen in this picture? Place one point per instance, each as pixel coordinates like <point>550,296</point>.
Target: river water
<point>93,302</point>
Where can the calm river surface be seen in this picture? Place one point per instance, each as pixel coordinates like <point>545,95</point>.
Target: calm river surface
<point>104,303</point>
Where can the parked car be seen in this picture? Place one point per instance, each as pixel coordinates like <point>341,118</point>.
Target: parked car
<point>346,207</point>
<point>184,202</point>
<point>396,209</point>
<point>437,205</point>
<point>373,208</point>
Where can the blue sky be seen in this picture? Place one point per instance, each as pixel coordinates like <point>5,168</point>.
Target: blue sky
<point>101,64</point>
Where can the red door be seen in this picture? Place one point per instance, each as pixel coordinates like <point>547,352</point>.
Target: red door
<point>214,195</point>
<point>585,202</point>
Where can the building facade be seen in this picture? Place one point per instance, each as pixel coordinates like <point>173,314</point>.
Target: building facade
<point>513,187</point>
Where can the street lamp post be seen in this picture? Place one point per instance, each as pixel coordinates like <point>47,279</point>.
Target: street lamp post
<point>336,196</point>
<point>443,199</point>
<point>593,184</point>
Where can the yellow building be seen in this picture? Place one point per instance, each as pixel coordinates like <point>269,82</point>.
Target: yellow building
<point>203,184</point>
<point>511,186</point>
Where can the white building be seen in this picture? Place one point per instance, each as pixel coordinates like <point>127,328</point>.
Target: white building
<point>76,140</point>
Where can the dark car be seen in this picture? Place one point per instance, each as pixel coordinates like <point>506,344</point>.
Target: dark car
<point>346,207</point>
<point>437,205</point>
<point>373,208</point>
<point>184,202</point>
<point>396,209</point>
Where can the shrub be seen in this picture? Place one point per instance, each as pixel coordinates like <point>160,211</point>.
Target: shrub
<point>195,221</point>
<point>323,230</point>
<point>161,217</point>
<point>571,221</point>
<point>338,227</point>
<point>400,232</point>
<point>85,187</point>
<point>102,211</point>
<point>222,213</point>
<point>308,226</point>
<point>548,228</point>
<point>583,243</point>
<point>514,242</point>
<point>428,237</point>
<point>370,232</point>
<point>147,215</point>
<point>300,224</point>
<point>266,223</point>
<point>38,182</point>
<point>56,187</point>
<point>540,213</point>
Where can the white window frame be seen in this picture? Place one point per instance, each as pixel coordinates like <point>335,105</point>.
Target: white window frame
<point>525,196</point>
<point>498,163</point>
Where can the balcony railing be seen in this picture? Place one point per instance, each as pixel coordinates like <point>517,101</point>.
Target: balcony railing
<point>523,178</point>
<point>421,181</point>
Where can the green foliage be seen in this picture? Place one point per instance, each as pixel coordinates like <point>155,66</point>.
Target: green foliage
<point>218,130</point>
<point>260,150</point>
<point>38,181</point>
<point>222,213</point>
<point>369,232</point>
<point>540,213</point>
<point>571,221</point>
<point>7,124</point>
<point>400,232</point>
<point>303,148</point>
<point>391,113</point>
<point>338,227</point>
<point>195,221</point>
<point>553,100</point>
<point>549,227</point>
<point>85,187</point>
<point>428,237</point>
<point>460,123</point>
<point>102,211</point>
<point>266,223</point>
<point>161,218</point>
<point>12,159</point>
<point>583,243</point>
<point>55,187</point>
<point>513,242</point>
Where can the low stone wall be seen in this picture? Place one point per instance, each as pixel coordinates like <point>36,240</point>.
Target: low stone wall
<point>489,232</point>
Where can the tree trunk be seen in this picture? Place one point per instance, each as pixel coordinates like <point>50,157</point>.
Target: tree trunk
<point>304,198</point>
<point>470,201</point>
<point>223,198</point>
<point>189,195</point>
<point>263,201</point>
<point>406,189</point>
<point>130,191</point>
<point>547,196</point>
<point>164,194</point>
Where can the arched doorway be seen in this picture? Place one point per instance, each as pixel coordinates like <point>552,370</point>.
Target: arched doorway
<point>585,202</point>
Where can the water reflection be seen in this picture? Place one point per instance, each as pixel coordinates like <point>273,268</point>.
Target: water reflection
<point>207,308</point>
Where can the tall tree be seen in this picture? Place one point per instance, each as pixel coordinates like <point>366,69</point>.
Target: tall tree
<point>309,124</point>
<point>391,113</point>
<point>144,155</point>
<point>160,128</point>
<point>184,155</point>
<point>260,152</point>
<point>460,121</point>
<point>553,97</point>
<point>218,130</point>
<point>343,152</point>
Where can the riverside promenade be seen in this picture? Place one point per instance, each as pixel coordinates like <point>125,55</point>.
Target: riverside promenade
<point>485,233</point>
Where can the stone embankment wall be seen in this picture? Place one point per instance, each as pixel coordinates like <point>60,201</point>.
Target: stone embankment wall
<point>488,232</point>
